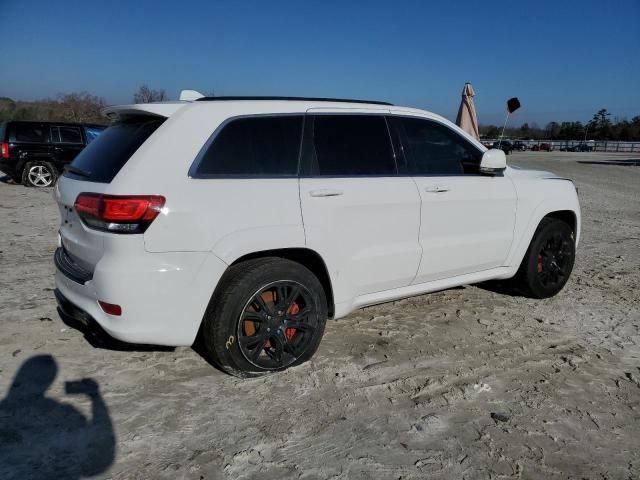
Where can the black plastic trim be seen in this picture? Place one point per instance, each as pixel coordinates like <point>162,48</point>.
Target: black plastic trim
<point>69,268</point>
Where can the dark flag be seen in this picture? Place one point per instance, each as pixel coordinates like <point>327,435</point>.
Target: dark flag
<point>513,104</point>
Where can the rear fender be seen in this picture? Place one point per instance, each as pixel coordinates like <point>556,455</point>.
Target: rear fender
<point>251,240</point>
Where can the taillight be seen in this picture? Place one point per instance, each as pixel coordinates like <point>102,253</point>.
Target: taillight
<point>118,213</point>
<point>5,150</point>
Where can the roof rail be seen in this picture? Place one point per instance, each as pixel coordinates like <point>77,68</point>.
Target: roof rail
<point>306,99</point>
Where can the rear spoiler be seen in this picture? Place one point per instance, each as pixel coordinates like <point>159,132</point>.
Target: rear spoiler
<point>161,109</point>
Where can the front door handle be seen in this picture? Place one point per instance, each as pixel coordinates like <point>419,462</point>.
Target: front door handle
<point>325,192</point>
<point>436,189</point>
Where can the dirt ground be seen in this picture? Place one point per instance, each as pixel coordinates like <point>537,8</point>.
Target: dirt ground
<point>465,383</point>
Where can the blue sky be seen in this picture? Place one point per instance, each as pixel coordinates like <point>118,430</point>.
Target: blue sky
<point>563,59</point>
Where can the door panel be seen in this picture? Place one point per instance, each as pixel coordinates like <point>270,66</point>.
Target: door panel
<point>366,230</point>
<point>467,219</point>
<point>358,214</point>
<point>467,224</point>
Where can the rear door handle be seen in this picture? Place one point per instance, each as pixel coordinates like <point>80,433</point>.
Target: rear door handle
<point>325,192</point>
<point>436,189</point>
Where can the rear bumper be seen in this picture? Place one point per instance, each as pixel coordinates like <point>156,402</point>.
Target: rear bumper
<point>163,295</point>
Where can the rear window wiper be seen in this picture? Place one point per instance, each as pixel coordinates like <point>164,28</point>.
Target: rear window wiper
<point>77,171</point>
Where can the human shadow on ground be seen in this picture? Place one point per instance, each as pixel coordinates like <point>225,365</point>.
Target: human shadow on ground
<point>42,438</point>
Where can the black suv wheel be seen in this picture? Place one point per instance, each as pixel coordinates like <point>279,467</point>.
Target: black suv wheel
<point>39,174</point>
<point>266,315</point>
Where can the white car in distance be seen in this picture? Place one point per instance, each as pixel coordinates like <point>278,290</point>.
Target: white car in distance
<point>253,220</point>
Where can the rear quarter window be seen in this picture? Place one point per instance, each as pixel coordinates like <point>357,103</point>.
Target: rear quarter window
<point>105,156</point>
<point>260,146</point>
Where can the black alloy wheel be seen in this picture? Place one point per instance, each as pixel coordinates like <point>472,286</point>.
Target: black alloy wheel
<point>277,325</point>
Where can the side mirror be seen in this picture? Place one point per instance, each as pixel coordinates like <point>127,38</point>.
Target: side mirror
<point>493,162</point>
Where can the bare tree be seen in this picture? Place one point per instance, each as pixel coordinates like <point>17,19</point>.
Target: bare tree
<point>148,95</point>
<point>80,107</point>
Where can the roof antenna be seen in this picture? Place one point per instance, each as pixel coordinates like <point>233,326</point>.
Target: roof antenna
<point>190,95</point>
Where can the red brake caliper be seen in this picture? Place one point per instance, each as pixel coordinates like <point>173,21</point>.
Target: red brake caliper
<point>539,263</point>
<point>293,310</point>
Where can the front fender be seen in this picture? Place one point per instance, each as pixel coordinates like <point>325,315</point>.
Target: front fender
<point>528,219</point>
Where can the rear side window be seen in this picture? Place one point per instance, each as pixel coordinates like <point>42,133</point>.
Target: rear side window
<point>66,135</point>
<point>348,145</point>
<point>103,158</point>
<point>29,132</point>
<point>254,146</point>
<point>434,149</point>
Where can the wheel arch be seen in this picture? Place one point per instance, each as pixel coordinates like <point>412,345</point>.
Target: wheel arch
<point>567,216</point>
<point>568,212</point>
<point>305,257</point>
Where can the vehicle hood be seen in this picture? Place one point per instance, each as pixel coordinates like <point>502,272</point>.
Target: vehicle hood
<point>519,172</point>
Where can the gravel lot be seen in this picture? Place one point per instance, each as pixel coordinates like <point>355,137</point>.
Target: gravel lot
<point>465,383</point>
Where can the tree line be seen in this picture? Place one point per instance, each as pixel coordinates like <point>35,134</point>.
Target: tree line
<point>600,127</point>
<point>85,107</point>
<point>77,107</point>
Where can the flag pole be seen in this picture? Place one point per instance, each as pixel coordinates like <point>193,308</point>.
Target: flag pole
<point>503,127</point>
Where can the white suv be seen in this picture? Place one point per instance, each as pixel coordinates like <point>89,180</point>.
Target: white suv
<point>253,220</point>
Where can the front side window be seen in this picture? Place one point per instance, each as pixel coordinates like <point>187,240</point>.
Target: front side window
<point>431,148</point>
<point>254,146</point>
<point>29,132</point>
<point>351,145</point>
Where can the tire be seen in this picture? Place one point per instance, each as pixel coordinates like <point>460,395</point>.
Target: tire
<point>262,292</point>
<point>39,174</point>
<point>549,260</point>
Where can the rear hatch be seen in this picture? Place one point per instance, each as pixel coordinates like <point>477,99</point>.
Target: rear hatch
<point>92,171</point>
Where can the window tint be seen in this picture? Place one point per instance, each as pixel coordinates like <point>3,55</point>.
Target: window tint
<point>101,160</point>
<point>352,145</point>
<point>29,132</point>
<point>434,149</point>
<point>69,135</point>
<point>257,146</point>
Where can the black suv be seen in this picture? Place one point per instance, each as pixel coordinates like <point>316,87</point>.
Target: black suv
<point>35,153</point>
<point>504,145</point>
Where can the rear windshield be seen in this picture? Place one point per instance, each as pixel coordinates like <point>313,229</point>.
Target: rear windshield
<point>103,158</point>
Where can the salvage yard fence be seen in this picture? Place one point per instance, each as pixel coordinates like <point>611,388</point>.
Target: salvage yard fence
<point>598,146</point>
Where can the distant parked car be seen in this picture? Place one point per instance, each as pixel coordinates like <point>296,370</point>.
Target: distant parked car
<point>519,146</point>
<point>543,147</point>
<point>35,153</point>
<point>504,145</point>
<point>581,147</point>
